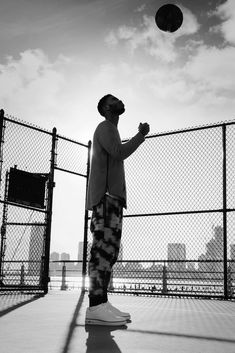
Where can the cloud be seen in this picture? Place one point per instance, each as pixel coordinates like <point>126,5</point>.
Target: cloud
<point>49,92</point>
<point>214,67</point>
<point>30,83</point>
<point>141,8</point>
<point>203,77</point>
<point>226,12</point>
<point>147,36</point>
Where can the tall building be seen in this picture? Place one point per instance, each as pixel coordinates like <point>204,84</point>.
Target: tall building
<point>176,251</point>
<point>36,246</point>
<point>214,251</point>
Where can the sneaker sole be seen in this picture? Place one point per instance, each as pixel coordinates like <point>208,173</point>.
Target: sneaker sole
<point>104,323</point>
<point>126,317</point>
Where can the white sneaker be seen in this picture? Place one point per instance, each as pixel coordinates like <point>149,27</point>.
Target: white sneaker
<point>116,311</point>
<point>101,315</point>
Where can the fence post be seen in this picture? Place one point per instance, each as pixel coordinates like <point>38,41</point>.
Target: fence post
<point>164,279</point>
<point>225,212</point>
<point>51,185</point>
<point>63,282</point>
<point>22,283</point>
<point>86,218</point>
<point>1,142</point>
<point>230,288</point>
<point>1,161</point>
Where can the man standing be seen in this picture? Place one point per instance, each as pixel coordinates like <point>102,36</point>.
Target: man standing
<point>106,198</point>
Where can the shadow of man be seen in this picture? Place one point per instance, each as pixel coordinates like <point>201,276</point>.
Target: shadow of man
<point>100,339</point>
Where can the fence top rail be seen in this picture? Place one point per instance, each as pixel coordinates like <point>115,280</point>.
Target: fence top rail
<point>150,261</point>
<point>196,128</point>
<point>28,125</point>
<point>71,140</point>
<point>17,121</point>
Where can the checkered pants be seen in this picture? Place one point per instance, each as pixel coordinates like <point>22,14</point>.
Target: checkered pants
<point>106,228</point>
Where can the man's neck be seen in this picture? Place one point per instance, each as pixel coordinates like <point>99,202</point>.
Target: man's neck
<point>113,119</point>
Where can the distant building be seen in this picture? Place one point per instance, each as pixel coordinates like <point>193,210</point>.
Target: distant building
<point>65,256</point>
<point>202,265</point>
<point>36,246</point>
<point>55,256</point>
<point>176,251</point>
<point>232,257</point>
<point>214,251</point>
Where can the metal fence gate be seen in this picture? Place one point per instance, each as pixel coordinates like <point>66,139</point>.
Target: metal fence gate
<point>30,151</point>
<point>179,229</point>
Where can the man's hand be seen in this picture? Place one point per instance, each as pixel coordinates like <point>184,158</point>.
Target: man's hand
<point>144,128</point>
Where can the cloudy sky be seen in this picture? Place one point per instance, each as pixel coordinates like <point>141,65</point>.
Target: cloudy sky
<point>58,58</point>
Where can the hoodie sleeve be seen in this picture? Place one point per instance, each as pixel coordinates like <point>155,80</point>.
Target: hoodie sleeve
<point>109,139</point>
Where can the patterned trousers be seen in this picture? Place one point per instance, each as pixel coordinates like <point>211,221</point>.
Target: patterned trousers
<point>106,228</point>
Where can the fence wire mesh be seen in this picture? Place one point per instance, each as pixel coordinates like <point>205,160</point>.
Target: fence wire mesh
<point>25,148</point>
<point>179,228</point>
<point>173,239</point>
<point>24,228</point>
<point>71,156</point>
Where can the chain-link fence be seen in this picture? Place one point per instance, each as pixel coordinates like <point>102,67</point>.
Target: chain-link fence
<point>179,229</point>
<point>27,152</point>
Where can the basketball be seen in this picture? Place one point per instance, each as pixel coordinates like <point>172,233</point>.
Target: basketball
<point>169,18</point>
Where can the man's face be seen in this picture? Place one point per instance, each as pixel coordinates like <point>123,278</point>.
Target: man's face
<point>115,105</point>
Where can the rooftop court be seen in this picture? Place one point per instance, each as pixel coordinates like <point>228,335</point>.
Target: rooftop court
<point>55,324</point>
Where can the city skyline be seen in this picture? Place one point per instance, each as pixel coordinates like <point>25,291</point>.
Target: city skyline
<point>175,251</point>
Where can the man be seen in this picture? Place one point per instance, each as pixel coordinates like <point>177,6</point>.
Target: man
<point>106,198</point>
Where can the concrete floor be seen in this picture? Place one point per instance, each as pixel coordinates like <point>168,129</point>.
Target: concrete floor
<point>55,324</point>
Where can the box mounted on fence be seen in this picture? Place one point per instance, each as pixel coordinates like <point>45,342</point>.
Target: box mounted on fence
<point>27,188</point>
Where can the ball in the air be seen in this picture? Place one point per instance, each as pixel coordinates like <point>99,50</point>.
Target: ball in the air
<point>169,18</point>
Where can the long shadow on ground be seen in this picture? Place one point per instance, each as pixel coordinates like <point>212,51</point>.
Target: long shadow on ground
<point>13,301</point>
<point>73,324</point>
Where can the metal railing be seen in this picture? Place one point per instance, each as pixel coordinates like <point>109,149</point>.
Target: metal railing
<point>169,278</point>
